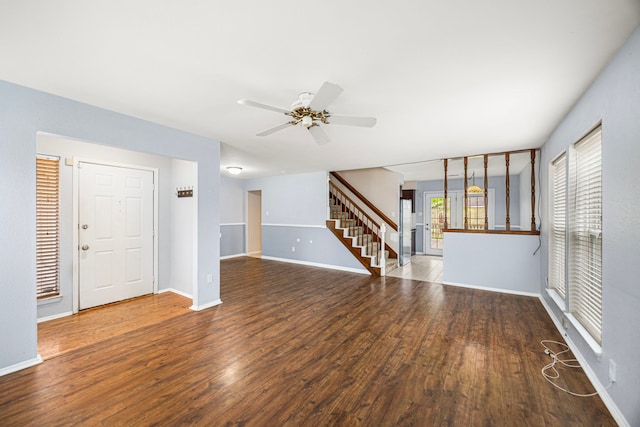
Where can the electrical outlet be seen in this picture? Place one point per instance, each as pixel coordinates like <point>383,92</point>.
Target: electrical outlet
<point>209,278</point>
<point>612,371</point>
<point>293,248</point>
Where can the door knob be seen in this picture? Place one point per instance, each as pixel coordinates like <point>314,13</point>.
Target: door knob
<point>85,247</point>
<point>85,226</point>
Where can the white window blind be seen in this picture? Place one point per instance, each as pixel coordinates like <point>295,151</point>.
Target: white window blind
<point>585,234</point>
<point>47,227</point>
<point>557,232</point>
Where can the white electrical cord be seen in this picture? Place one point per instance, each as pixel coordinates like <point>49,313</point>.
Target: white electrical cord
<point>569,363</point>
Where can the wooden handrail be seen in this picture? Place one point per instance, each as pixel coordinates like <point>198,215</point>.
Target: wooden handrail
<point>516,232</point>
<point>366,201</point>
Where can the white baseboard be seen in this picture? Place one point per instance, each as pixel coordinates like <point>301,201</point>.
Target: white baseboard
<point>486,288</point>
<point>175,291</point>
<point>233,256</point>
<point>54,316</point>
<point>205,306</point>
<point>20,366</point>
<point>317,264</point>
<point>593,378</point>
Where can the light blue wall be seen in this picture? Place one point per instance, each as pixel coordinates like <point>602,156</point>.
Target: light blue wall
<point>508,262</point>
<point>300,199</point>
<point>614,99</point>
<point>232,217</point>
<point>294,207</point>
<point>307,245</point>
<point>24,112</point>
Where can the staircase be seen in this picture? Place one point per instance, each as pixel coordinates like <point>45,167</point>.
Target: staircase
<point>359,233</point>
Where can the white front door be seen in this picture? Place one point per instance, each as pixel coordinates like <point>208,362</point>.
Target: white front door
<point>115,233</point>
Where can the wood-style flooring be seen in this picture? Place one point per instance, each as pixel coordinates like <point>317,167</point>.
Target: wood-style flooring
<point>304,346</point>
<point>422,267</point>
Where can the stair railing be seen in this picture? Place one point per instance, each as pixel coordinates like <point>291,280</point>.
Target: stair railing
<point>349,211</point>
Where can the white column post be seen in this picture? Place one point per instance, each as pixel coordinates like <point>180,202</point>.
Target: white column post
<point>382,261</point>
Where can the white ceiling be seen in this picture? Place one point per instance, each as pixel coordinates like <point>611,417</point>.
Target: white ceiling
<point>443,78</point>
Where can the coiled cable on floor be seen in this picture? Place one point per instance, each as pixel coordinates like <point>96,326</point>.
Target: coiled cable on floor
<point>549,372</point>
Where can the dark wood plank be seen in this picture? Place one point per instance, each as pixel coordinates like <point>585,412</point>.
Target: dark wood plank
<point>296,345</point>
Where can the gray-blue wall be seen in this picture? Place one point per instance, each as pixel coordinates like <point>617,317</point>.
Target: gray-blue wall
<point>294,213</point>
<point>24,112</point>
<point>614,99</point>
<point>232,217</point>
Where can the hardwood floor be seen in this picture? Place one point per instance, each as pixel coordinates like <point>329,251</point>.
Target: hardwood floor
<point>98,324</point>
<point>296,345</point>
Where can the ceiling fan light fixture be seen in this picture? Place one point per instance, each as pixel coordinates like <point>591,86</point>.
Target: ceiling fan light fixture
<point>307,121</point>
<point>234,170</point>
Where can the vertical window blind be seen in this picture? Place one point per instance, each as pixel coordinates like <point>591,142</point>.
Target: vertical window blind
<point>557,232</point>
<point>585,234</point>
<point>47,226</point>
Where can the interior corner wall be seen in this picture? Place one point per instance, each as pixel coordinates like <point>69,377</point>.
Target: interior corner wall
<point>613,99</point>
<point>381,186</point>
<point>233,225</point>
<point>23,113</point>
<point>182,238</point>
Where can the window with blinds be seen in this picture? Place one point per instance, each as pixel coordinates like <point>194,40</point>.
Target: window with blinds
<point>47,226</point>
<point>557,227</point>
<point>585,234</point>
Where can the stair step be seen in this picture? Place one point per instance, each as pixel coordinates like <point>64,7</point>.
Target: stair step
<point>355,231</point>
<point>371,248</point>
<point>364,239</point>
<point>346,223</point>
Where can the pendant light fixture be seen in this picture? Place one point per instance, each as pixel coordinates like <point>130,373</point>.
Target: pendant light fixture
<point>474,189</point>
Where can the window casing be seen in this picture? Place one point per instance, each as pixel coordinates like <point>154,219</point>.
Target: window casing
<point>47,227</point>
<point>585,234</point>
<point>558,223</point>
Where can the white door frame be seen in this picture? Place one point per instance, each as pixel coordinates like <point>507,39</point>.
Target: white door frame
<point>76,205</point>
<point>426,219</point>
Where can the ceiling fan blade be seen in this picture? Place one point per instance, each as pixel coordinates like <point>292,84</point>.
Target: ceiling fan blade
<point>275,129</point>
<point>325,95</point>
<point>319,135</point>
<point>352,121</point>
<point>263,106</point>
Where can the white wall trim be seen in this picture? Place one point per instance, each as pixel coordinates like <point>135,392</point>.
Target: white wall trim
<point>487,288</point>
<point>54,316</point>
<point>205,306</point>
<point>20,366</point>
<point>233,256</point>
<point>593,378</point>
<point>293,225</point>
<point>232,223</point>
<point>317,264</point>
<point>176,291</point>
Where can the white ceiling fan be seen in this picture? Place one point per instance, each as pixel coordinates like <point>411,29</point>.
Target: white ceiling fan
<point>309,110</point>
